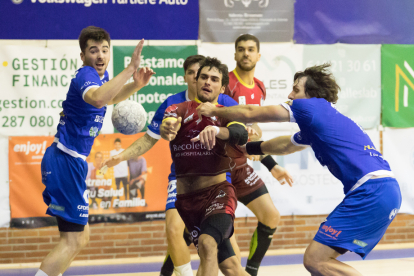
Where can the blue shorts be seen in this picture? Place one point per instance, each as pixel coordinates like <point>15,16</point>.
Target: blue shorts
<point>360,221</point>
<point>172,192</point>
<point>65,193</point>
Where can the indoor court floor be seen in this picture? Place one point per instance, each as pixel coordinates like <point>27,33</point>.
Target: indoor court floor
<point>384,260</point>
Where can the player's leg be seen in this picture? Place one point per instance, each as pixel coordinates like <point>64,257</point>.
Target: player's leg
<point>229,261</point>
<point>373,206</point>
<point>207,250</point>
<point>320,259</point>
<point>177,246</point>
<point>70,243</point>
<point>178,252</point>
<point>258,200</point>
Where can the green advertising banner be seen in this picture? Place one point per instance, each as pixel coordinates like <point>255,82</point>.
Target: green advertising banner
<point>397,63</point>
<point>167,62</point>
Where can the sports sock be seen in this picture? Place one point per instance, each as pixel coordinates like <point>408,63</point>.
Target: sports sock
<point>259,244</point>
<point>167,268</point>
<point>183,270</point>
<point>40,273</point>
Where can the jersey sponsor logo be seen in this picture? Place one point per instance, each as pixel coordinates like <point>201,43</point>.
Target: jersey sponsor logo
<point>189,118</point>
<point>330,230</point>
<point>192,146</point>
<point>252,96</point>
<point>82,207</point>
<point>88,83</point>
<point>154,124</point>
<point>172,186</point>
<point>213,207</point>
<point>93,132</point>
<point>99,119</point>
<point>393,213</point>
<point>360,243</point>
<point>83,215</point>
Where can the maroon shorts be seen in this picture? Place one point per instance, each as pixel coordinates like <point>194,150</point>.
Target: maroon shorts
<point>196,206</point>
<point>245,180</point>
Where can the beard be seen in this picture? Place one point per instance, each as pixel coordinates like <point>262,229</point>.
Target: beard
<point>246,68</point>
<point>202,98</point>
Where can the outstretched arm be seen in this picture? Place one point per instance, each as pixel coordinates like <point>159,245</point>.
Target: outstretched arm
<point>246,113</point>
<point>281,145</point>
<point>99,97</point>
<point>139,147</point>
<point>141,78</point>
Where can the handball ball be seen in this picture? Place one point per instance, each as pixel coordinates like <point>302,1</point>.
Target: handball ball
<point>129,117</point>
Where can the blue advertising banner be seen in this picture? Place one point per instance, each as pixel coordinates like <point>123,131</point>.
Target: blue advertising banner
<point>354,21</point>
<point>123,19</point>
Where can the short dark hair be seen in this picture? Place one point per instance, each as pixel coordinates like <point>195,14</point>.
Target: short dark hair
<point>246,37</point>
<point>221,67</point>
<point>117,140</point>
<point>320,83</point>
<point>94,33</point>
<point>193,60</point>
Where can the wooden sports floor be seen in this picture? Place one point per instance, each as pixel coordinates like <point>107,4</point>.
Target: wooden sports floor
<point>384,260</point>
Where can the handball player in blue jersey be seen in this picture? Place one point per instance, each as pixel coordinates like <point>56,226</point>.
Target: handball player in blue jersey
<point>372,195</point>
<point>64,168</point>
<point>178,252</point>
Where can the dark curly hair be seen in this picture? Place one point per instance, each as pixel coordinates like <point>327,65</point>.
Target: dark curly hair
<point>94,33</point>
<point>320,83</point>
<point>221,67</point>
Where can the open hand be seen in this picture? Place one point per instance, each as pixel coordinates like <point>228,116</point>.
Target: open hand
<point>282,175</point>
<point>142,76</point>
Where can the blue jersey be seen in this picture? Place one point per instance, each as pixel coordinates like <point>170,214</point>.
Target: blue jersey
<point>338,142</point>
<point>154,127</point>
<point>80,122</point>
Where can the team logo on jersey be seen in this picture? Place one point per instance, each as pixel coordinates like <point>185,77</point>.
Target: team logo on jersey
<point>93,132</point>
<point>393,213</point>
<point>242,99</point>
<point>360,243</point>
<point>252,96</point>
<point>154,124</point>
<point>189,118</point>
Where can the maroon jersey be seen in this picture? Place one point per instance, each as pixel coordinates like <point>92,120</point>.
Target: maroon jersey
<point>193,159</point>
<point>243,93</point>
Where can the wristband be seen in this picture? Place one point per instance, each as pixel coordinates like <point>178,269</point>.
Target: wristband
<point>253,148</point>
<point>269,162</point>
<point>217,128</point>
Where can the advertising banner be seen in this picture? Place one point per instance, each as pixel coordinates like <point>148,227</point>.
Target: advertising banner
<point>315,190</point>
<point>225,20</point>
<point>354,21</point>
<point>355,67</point>
<point>357,71</point>
<point>167,62</point>
<point>4,182</point>
<point>123,19</point>
<point>34,82</point>
<point>397,63</point>
<point>399,152</point>
<point>135,190</point>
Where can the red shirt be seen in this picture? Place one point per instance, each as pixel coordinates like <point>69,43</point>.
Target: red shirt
<point>243,93</point>
<point>193,159</point>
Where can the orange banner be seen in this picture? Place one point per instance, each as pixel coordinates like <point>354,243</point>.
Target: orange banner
<point>134,190</point>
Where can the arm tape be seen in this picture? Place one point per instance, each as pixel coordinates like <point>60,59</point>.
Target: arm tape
<point>253,148</point>
<point>237,134</point>
<point>269,162</point>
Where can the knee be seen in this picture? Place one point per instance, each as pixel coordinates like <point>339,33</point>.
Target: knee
<point>207,247</point>
<point>270,218</point>
<point>78,241</point>
<point>311,264</point>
